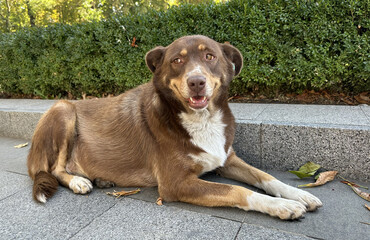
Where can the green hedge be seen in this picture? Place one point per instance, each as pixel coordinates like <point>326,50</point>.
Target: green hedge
<point>288,46</point>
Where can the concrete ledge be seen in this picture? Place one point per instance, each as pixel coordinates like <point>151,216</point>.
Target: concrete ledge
<point>269,136</point>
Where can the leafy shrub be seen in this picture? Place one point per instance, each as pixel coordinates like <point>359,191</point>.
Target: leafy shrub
<point>288,46</point>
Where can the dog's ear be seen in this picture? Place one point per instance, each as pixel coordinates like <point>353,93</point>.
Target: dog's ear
<point>154,58</point>
<point>234,56</point>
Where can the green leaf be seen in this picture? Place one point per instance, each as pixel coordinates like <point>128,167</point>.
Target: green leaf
<point>307,170</point>
<point>301,174</point>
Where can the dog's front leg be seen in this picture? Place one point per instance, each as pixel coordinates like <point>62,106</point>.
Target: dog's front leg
<point>236,168</point>
<point>199,192</point>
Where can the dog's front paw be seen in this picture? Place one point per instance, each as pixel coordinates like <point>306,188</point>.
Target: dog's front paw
<point>310,201</point>
<point>277,207</point>
<point>279,189</point>
<point>80,185</point>
<point>287,209</point>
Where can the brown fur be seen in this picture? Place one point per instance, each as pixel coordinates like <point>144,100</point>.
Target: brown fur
<point>44,183</point>
<point>138,138</point>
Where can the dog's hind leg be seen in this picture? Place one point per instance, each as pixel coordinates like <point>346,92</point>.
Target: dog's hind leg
<point>52,144</point>
<point>77,184</point>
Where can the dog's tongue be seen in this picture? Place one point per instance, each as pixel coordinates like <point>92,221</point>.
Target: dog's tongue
<point>198,102</point>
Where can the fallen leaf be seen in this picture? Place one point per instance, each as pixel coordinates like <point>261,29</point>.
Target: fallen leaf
<point>324,177</point>
<point>350,183</point>
<point>159,201</point>
<point>360,193</point>
<point>307,170</point>
<point>366,206</point>
<point>362,98</point>
<point>123,193</point>
<point>345,181</point>
<point>349,102</point>
<point>22,145</point>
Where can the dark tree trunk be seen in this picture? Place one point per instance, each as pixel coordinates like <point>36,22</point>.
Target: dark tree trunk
<point>30,13</point>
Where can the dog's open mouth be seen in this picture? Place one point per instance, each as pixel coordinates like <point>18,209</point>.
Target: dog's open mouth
<point>198,102</point>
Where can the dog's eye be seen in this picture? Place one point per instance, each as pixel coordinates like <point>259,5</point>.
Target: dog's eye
<point>210,57</point>
<point>177,61</point>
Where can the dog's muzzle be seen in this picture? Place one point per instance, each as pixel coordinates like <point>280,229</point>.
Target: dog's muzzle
<point>197,87</point>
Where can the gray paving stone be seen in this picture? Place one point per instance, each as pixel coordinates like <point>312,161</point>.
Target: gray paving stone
<point>7,147</point>
<point>134,219</point>
<point>289,146</point>
<point>246,111</point>
<point>366,109</point>
<point>11,183</point>
<point>29,105</point>
<point>61,217</point>
<point>18,124</point>
<point>316,114</point>
<point>13,159</point>
<point>253,232</point>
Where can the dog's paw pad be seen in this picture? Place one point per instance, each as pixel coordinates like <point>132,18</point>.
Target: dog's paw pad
<point>80,185</point>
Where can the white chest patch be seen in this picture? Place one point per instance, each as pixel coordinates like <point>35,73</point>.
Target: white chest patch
<point>208,133</point>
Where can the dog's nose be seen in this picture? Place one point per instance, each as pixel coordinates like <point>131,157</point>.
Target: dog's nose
<point>196,83</point>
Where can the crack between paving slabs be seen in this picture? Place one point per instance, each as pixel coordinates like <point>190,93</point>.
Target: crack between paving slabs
<point>6,197</point>
<point>22,174</point>
<point>2,199</point>
<point>237,233</point>
<point>88,224</point>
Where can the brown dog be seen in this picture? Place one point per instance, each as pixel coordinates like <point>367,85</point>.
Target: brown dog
<point>164,133</point>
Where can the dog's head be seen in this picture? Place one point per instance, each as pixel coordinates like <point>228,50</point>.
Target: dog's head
<point>194,70</point>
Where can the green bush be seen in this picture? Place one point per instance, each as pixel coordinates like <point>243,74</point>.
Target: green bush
<point>288,46</point>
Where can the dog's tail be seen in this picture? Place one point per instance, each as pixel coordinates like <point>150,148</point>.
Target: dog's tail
<point>44,186</point>
<point>44,183</point>
<point>39,160</point>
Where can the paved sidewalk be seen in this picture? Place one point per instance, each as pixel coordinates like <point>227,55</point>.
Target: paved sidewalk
<point>99,216</point>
